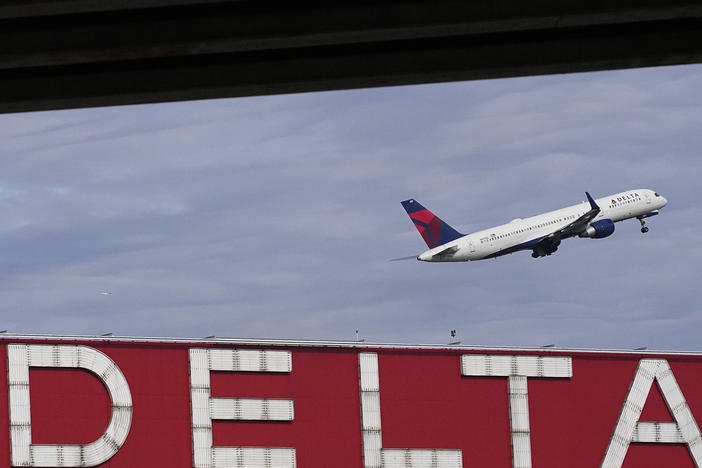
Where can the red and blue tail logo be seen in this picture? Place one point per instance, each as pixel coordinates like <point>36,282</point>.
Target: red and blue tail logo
<point>434,231</point>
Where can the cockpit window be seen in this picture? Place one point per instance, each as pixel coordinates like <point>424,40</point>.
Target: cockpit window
<point>656,194</point>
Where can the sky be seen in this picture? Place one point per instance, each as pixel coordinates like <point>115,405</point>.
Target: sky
<point>275,217</point>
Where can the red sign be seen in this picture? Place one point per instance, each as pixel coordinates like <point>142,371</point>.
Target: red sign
<point>185,404</point>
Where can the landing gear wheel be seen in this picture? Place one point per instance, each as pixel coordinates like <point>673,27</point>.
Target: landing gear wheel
<point>644,229</point>
<point>534,255</point>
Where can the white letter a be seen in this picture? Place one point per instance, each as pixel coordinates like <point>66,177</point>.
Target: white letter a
<point>683,431</point>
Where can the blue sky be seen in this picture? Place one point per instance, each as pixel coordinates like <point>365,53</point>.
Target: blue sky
<point>275,216</point>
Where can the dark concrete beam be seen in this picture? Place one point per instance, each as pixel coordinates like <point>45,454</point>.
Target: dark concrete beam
<point>35,8</point>
<point>79,53</point>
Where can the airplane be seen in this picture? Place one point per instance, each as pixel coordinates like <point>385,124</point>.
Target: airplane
<point>542,234</point>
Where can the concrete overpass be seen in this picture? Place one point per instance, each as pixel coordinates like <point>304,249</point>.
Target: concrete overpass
<point>58,54</point>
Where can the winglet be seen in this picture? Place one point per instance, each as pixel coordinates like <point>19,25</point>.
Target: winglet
<point>593,205</point>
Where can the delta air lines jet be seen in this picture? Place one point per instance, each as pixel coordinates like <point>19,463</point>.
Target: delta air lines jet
<point>542,234</point>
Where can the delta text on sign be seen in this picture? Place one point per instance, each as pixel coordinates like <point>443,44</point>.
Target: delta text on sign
<point>120,404</point>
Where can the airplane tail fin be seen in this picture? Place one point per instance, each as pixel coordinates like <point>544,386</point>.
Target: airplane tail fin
<point>434,231</point>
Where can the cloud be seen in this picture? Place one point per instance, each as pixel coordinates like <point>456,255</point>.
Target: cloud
<point>275,216</point>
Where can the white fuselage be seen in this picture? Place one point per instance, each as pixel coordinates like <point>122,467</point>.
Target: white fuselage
<point>521,234</point>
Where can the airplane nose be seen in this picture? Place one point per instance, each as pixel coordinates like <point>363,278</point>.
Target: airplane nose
<point>665,201</point>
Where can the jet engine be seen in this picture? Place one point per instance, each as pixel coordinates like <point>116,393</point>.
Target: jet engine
<point>599,229</point>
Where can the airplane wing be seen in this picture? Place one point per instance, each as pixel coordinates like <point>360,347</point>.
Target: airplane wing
<point>551,242</point>
<point>578,225</point>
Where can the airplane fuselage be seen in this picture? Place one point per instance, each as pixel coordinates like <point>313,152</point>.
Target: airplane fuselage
<point>527,233</point>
